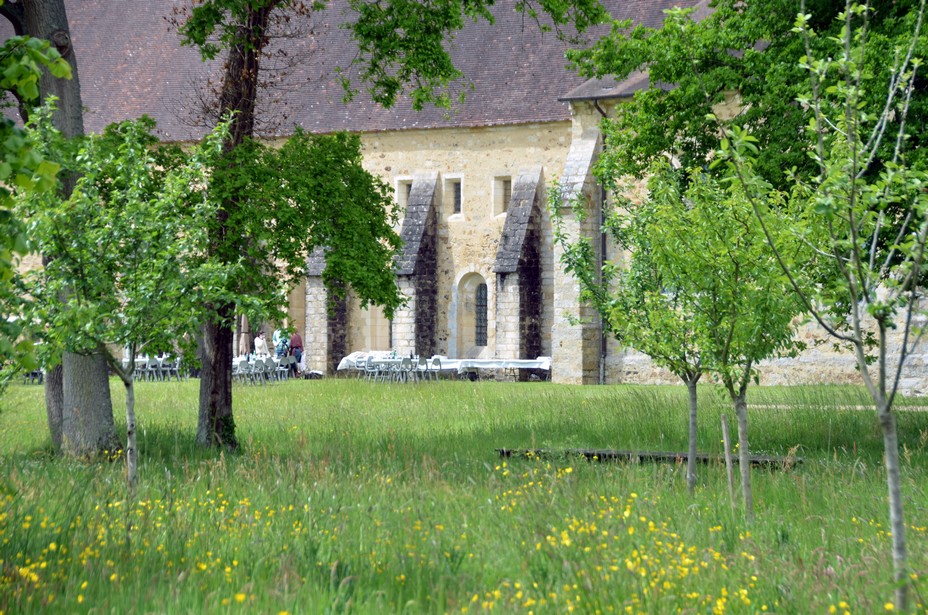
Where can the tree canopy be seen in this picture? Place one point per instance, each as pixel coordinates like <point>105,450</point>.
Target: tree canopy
<point>744,53</point>
<point>23,169</point>
<point>127,241</point>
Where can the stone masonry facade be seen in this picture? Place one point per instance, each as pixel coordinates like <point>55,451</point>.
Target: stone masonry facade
<point>534,308</point>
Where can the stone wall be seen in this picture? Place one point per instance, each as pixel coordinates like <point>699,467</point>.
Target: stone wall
<point>325,320</point>
<point>820,363</point>
<point>467,243</point>
<point>508,301</point>
<point>576,347</point>
<point>316,338</point>
<point>532,301</point>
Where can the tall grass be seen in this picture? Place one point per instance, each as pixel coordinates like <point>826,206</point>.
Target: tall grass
<point>356,497</point>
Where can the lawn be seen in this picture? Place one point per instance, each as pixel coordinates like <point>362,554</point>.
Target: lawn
<point>349,496</point>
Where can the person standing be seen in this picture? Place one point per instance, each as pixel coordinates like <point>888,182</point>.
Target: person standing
<point>296,349</point>
<point>280,343</point>
<point>261,348</point>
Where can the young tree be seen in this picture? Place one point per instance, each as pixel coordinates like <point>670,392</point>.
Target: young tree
<point>701,292</point>
<point>636,304</point>
<point>864,213</point>
<point>127,272</point>
<point>714,255</point>
<point>400,42</point>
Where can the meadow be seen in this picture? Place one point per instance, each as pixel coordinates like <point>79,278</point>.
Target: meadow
<point>355,497</point>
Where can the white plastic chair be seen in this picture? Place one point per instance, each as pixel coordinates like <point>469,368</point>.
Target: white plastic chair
<point>282,370</point>
<point>435,368</point>
<point>153,369</point>
<point>421,371</point>
<point>371,369</point>
<point>172,368</point>
<point>257,371</point>
<point>404,371</point>
<point>270,369</point>
<point>246,372</point>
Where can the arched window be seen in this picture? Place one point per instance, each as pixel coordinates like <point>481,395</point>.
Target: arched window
<point>470,313</point>
<point>480,300</point>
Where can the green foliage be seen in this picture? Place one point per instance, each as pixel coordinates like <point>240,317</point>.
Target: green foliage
<point>285,203</point>
<point>714,256</point>
<point>23,170</point>
<point>125,270</point>
<point>352,214</point>
<point>864,215</point>
<point>742,52</point>
<point>402,42</point>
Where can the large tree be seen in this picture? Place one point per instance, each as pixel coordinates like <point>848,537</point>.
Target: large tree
<point>742,54</point>
<point>22,170</point>
<point>401,44</point>
<point>77,393</point>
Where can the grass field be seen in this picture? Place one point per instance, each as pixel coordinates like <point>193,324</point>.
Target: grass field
<point>356,497</point>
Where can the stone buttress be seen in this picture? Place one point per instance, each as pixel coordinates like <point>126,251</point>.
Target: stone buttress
<point>414,323</point>
<point>519,297</point>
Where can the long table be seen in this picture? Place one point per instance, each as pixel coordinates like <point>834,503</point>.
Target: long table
<point>357,360</point>
<point>466,365</point>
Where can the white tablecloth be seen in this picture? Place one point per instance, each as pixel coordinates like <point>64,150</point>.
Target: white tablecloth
<point>466,365</point>
<point>356,359</point>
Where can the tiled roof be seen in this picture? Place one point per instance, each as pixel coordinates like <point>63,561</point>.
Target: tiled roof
<point>609,87</point>
<point>130,62</point>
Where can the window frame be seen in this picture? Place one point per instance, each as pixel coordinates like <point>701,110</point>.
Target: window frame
<point>502,194</point>
<point>453,186</point>
<point>403,190</point>
<point>481,315</point>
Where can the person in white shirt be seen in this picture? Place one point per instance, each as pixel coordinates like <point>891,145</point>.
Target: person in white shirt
<point>261,348</point>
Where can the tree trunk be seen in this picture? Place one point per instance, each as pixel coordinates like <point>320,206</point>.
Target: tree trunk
<point>691,455</point>
<point>132,455</point>
<point>54,404</point>
<point>238,96</point>
<point>48,19</point>
<point>87,418</point>
<point>896,520</point>
<point>215,424</point>
<point>744,455</point>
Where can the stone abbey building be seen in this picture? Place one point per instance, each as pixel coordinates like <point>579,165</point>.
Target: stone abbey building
<point>479,264</point>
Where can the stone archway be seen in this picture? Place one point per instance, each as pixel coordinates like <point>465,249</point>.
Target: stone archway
<point>470,316</point>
